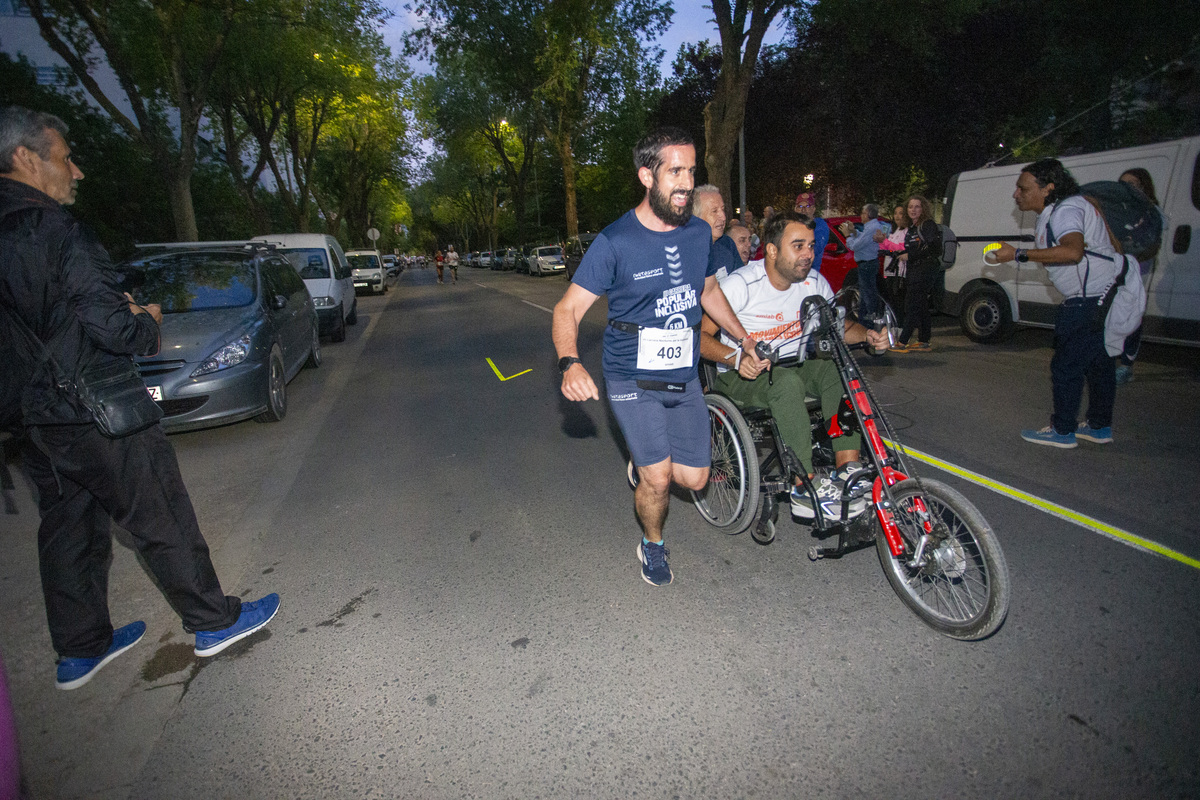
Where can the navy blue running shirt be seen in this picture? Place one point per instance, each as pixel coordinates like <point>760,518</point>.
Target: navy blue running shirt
<point>652,279</point>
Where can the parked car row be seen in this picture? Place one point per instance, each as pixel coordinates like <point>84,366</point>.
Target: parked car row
<point>240,319</point>
<point>533,260</point>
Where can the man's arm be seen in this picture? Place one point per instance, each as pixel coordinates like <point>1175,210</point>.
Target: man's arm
<point>577,384</point>
<point>1069,250</point>
<point>714,302</point>
<point>104,311</point>
<point>714,350</point>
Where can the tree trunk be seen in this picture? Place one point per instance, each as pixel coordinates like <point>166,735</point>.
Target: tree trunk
<point>567,155</point>
<point>721,125</point>
<point>180,187</point>
<point>726,112</point>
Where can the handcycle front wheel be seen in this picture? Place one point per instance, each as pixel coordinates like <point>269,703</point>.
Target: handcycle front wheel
<point>960,587</point>
<point>730,500</point>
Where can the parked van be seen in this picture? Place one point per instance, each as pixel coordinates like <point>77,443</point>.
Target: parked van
<point>991,300</point>
<point>326,272</point>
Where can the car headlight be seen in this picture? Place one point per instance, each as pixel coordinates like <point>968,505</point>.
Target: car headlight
<point>324,302</point>
<point>230,355</point>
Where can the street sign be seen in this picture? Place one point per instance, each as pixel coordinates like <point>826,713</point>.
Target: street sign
<point>373,234</point>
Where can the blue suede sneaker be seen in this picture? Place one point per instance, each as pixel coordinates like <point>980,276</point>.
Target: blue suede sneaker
<point>655,570</point>
<point>1049,436</point>
<point>1086,432</point>
<point>253,617</point>
<point>75,672</point>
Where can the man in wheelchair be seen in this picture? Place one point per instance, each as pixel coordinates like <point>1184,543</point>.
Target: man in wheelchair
<point>767,298</point>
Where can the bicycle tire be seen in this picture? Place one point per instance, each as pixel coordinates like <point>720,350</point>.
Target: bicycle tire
<point>961,589</point>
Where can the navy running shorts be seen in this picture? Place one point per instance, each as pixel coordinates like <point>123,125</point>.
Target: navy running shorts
<point>662,424</point>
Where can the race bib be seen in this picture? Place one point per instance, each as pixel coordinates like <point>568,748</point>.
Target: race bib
<point>662,349</point>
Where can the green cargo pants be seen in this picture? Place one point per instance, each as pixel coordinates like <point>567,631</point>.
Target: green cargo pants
<point>786,400</point>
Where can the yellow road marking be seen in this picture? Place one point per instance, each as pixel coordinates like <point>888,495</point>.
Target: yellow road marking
<point>501,377</point>
<point>1054,509</point>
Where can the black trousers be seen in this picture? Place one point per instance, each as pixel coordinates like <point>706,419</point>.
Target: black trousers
<point>917,316</point>
<point>84,482</point>
<point>1079,358</point>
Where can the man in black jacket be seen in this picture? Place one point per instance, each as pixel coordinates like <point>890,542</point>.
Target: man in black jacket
<point>58,284</point>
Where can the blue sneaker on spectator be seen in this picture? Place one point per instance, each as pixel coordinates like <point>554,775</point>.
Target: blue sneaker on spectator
<point>253,617</point>
<point>75,672</point>
<point>1098,435</point>
<point>655,570</point>
<point>1049,436</point>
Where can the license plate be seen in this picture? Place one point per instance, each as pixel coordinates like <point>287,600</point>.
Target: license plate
<point>359,283</point>
<point>155,393</point>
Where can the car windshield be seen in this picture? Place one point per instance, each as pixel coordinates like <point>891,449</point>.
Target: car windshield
<point>182,282</point>
<point>311,262</point>
<point>363,262</point>
<point>549,251</point>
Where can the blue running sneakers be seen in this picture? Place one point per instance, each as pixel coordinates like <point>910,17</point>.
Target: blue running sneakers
<point>1098,435</point>
<point>75,672</point>
<point>655,570</point>
<point>253,617</point>
<point>1048,436</point>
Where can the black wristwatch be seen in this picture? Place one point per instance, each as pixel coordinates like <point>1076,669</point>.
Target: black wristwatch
<point>1022,256</point>
<point>565,362</point>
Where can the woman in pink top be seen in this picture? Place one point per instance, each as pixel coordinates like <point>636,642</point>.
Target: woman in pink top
<point>892,288</point>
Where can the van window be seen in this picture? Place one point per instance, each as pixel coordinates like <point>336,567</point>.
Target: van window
<point>311,262</point>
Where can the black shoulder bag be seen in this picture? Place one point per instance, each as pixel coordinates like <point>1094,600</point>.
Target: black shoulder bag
<point>112,392</point>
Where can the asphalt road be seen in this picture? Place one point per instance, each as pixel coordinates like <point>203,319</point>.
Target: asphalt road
<point>463,614</point>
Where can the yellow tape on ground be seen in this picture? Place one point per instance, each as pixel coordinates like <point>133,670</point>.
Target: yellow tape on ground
<point>1082,520</point>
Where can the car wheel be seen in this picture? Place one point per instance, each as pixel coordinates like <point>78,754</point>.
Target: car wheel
<point>314,353</point>
<point>276,389</point>
<point>338,334</point>
<point>352,317</point>
<point>986,316</point>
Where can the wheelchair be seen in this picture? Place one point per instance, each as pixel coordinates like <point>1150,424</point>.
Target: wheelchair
<point>937,551</point>
<point>752,468</point>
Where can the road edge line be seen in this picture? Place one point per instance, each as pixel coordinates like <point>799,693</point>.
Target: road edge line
<point>1052,508</point>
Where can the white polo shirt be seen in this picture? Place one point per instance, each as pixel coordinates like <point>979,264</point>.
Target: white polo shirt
<point>1099,267</point>
<point>767,314</point>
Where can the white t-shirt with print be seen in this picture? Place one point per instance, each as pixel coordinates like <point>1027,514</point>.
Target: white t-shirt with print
<point>1092,276</point>
<point>767,314</point>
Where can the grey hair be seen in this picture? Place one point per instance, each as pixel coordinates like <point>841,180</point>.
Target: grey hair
<point>872,210</point>
<point>21,127</point>
<point>707,188</point>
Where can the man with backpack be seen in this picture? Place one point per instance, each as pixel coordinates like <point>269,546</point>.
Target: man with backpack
<point>1074,245</point>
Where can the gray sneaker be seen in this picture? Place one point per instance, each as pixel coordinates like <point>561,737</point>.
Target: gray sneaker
<point>829,495</point>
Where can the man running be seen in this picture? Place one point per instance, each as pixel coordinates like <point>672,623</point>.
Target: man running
<point>653,265</point>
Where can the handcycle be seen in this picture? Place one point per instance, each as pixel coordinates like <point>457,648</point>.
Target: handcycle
<point>938,552</point>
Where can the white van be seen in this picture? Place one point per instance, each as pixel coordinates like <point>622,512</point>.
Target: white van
<point>990,300</point>
<point>326,272</point>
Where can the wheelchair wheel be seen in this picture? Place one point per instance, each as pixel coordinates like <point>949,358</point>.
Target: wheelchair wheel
<point>730,500</point>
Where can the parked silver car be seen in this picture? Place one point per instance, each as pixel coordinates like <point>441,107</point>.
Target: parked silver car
<point>546,260</point>
<point>238,324</point>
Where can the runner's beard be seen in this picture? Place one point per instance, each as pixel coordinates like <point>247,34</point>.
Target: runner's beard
<point>660,204</point>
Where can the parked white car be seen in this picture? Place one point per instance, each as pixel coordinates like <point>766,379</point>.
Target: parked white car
<point>326,272</point>
<point>546,260</point>
<point>369,272</point>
